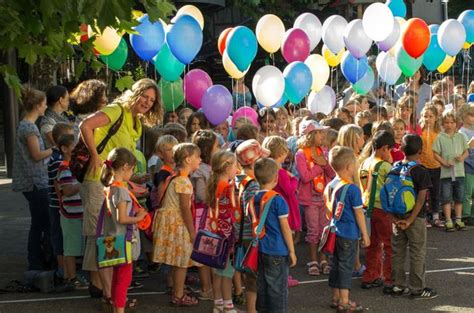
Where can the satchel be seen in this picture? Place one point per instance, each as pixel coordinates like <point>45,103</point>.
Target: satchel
<point>80,157</point>
<point>211,249</point>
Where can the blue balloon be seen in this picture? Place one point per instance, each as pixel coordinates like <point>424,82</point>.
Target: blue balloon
<point>434,55</point>
<point>353,69</point>
<point>298,80</point>
<point>397,7</point>
<point>242,47</point>
<point>365,84</point>
<point>467,19</point>
<point>434,29</point>
<point>185,38</point>
<point>280,103</point>
<point>149,40</point>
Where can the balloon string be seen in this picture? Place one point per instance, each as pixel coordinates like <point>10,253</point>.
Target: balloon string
<point>172,98</point>
<point>463,64</point>
<point>468,66</point>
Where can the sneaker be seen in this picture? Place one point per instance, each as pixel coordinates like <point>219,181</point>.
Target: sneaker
<point>140,273</point>
<point>400,291</point>
<point>438,223</point>
<point>135,285</point>
<point>154,268</point>
<point>206,296</point>
<point>426,293</point>
<point>95,292</point>
<point>428,224</point>
<point>449,226</point>
<point>359,272</point>
<point>460,225</point>
<point>80,283</point>
<point>376,283</point>
<point>387,290</point>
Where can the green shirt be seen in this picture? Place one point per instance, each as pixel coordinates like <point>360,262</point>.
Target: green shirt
<point>366,169</point>
<point>449,147</point>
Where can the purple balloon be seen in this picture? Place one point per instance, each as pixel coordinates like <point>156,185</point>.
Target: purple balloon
<point>296,45</point>
<point>217,104</point>
<point>248,113</point>
<point>196,82</point>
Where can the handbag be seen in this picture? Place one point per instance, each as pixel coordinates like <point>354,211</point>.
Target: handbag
<point>81,156</point>
<point>211,249</point>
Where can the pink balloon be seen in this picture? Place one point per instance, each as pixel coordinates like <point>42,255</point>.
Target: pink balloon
<point>295,45</point>
<point>246,112</point>
<point>196,82</point>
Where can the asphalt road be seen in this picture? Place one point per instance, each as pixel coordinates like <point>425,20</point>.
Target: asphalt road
<point>450,270</point>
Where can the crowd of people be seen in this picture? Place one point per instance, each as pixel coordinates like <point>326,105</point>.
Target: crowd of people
<point>169,186</point>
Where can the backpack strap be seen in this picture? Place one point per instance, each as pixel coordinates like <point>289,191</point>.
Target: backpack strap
<point>112,131</point>
<point>331,191</point>
<point>242,187</point>
<point>258,222</point>
<point>344,190</point>
<point>373,187</point>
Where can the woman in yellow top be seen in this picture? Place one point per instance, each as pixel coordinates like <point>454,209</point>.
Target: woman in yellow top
<point>140,104</point>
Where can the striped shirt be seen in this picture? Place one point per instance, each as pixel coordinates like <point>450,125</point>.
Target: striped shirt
<point>53,164</point>
<point>71,206</point>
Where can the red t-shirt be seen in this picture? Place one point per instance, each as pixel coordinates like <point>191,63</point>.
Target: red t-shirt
<point>397,153</point>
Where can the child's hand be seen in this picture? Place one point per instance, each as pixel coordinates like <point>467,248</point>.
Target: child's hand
<point>459,158</point>
<point>141,214</point>
<point>320,160</point>
<point>365,241</point>
<point>292,259</point>
<point>403,224</point>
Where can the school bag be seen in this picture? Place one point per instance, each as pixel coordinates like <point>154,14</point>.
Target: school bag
<point>319,182</point>
<point>369,186</point>
<point>398,193</point>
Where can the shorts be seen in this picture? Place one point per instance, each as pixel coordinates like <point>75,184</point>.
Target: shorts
<point>340,276</point>
<point>452,190</point>
<point>315,217</point>
<point>73,242</point>
<point>227,272</point>
<point>272,283</point>
<point>89,261</point>
<point>92,195</point>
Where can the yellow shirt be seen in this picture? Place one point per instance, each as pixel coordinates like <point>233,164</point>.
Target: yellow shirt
<point>427,155</point>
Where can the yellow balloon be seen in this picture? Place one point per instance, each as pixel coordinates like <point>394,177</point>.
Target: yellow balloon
<point>467,45</point>
<point>192,11</point>
<point>106,42</point>
<point>447,63</point>
<point>331,58</point>
<point>230,67</point>
<point>319,70</point>
<point>270,31</point>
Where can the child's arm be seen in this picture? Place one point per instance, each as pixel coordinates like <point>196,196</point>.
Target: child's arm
<point>420,201</point>
<point>70,189</point>
<point>184,206</point>
<point>441,160</point>
<point>286,231</point>
<point>360,219</point>
<point>306,174</point>
<point>463,156</point>
<point>125,218</point>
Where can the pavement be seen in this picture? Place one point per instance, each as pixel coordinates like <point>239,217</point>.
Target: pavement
<point>450,270</point>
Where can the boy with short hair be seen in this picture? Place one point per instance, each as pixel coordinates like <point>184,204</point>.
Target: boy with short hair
<point>350,225</point>
<point>468,131</point>
<point>276,252</point>
<point>411,230</point>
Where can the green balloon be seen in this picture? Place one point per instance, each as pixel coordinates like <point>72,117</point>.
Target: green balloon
<point>407,64</point>
<point>172,94</point>
<point>117,59</point>
<point>167,65</point>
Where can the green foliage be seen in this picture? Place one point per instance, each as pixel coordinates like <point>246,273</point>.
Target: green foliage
<point>124,83</point>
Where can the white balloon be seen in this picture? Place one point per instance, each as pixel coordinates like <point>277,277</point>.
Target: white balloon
<point>451,36</point>
<point>378,21</point>
<point>333,33</point>
<point>311,24</point>
<point>356,40</point>
<point>323,101</point>
<point>387,68</point>
<point>391,40</point>
<point>268,85</point>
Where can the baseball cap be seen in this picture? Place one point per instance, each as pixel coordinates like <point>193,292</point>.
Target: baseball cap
<point>470,97</point>
<point>308,126</point>
<point>250,151</point>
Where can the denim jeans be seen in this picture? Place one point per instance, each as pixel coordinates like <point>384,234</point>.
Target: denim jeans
<point>340,276</point>
<point>452,190</point>
<point>272,283</point>
<point>39,240</point>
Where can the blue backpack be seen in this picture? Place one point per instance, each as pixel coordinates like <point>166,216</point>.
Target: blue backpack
<point>398,194</point>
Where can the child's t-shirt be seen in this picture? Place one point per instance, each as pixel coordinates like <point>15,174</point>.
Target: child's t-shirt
<point>199,178</point>
<point>70,206</point>
<point>427,156</point>
<point>366,169</point>
<point>448,147</point>
<point>346,226</point>
<point>469,161</point>
<point>273,242</point>
<point>245,197</point>
<point>397,153</point>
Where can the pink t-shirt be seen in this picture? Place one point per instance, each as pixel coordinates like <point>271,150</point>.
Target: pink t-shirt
<point>287,188</point>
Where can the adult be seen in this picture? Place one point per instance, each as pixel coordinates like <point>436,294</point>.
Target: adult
<point>58,102</point>
<point>87,98</point>
<point>30,176</point>
<point>141,103</point>
<point>241,94</point>
<point>417,86</point>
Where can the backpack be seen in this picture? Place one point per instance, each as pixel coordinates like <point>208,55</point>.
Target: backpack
<point>368,187</point>
<point>398,194</point>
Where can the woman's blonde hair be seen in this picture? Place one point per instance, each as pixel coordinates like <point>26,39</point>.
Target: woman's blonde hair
<point>406,102</point>
<point>277,146</point>
<point>220,162</point>
<point>434,111</point>
<point>117,158</point>
<point>183,151</point>
<point>348,135</point>
<point>284,111</point>
<point>306,141</point>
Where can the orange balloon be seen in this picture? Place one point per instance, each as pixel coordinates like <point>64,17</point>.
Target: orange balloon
<point>222,40</point>
<point>415,37</point>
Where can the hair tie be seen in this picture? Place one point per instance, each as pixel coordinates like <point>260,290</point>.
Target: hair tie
<point>108,163</point>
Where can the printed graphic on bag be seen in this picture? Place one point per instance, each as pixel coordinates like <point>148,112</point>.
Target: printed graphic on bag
<point>208,245</point>
<point>339,209</point>
<point>113,250</point>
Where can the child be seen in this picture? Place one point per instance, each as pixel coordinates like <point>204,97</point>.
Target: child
<point>331,139</point>
<point>363,118</point>
<point>276,252</point>
<point>314,171</point>
<point>468,131</point>
<point>222,210</point>
<point>399,130</point>
<point>116,172</point>
<point>451,149</point>
<point>174,232</point>
<point>223,131</point>
<point>411,230</point>
<point>350,226</point>
<point>343,114</point>
<point>184,115</point>
<point>196,121</point>
<point>283,126</point>
<point>405,111</point>
<point>380,222</point>
<point>266,119</point>
<point>170,117</point>
<point>430,130</point>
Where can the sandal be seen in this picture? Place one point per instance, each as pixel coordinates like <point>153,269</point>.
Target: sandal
<point>351,307</point>
<point>313,268</point>
<point>438,223</point>
<point>185,300</point>
<point>325,267</point>
<point>334,304</point>
<point>131,304</point>
<point>107,306</point>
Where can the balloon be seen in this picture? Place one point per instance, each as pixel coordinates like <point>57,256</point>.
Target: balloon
<point>185,38</point>
<point>311,25</point>
<point>387,68</point>
<point>378,21</point>
<point>298,81</point>
<point>447,63</point>
<point>451,36</point>
<point>434,55</point>
<point>270,31</point>
<point>117,59</point>
<point>171,94</point>
<point>323,101</point>
<point>356,39</point>
<point>242,47</point>
<point>268,85</point>
<point>217,104</point>
<point>407,64</point>
<point>190,10</point>
<point>467,45</point>
<point>333,33</point>
<point>246,112</point>
<point>391,40</point>
<point>221,42</point>
<point>149,40</point>
<point>196,82</point>
<point>167,65</point>
<point>434,29</point>
<point>106,42</point>
<point>295,45</point>
<point>467,19</point>
<point>230,67</point>
<point>365,84</point>
<point>319,69</point>
<point>331,58</point>
<point>352,68</point>
<point>397,7</point>
<point>415,37</point>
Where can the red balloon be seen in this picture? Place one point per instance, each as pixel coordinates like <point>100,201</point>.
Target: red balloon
<point>415,37</point>
<point>221,42</point>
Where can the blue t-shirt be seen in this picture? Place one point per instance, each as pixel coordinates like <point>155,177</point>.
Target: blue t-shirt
<point>273,243</point>
<point>347,226</point>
